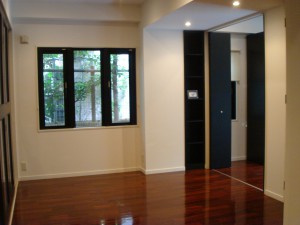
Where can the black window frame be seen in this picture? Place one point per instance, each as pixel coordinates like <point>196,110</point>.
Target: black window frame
<point>69,99</point>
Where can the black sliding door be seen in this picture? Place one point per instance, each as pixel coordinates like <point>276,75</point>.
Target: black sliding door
<point>220,100</point>
<point>256,98</point>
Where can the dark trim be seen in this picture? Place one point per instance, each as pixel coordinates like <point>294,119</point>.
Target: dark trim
<point>1,63</point>
<point>105,88</point>
<point>7,187</point>
<point>233,100</point>
<point>2,194</point>
<point>5,156</point>
<point>132,77</point>
<point>6,62</point>
<point>69,89</point>
<point>10,150</point>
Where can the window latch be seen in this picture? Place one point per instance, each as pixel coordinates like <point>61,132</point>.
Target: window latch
<point>109,84</point>
<point>66,85</point>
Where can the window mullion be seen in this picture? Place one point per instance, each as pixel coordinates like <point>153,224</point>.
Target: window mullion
<point>132,77</point>
<point>69,89</point>
<point>105,85</point>
<point>41,89</point>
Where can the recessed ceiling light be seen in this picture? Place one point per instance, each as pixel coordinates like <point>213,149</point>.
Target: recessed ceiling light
<point>188,24</point>
<point>236,3</point>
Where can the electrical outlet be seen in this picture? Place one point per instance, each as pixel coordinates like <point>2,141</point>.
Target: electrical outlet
<point>23,166</point>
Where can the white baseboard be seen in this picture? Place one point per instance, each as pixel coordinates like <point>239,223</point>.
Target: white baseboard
<point>238,158</point>
<point>274,195</point>
<point>143,170</point>
<point>78,174</point>
<point>164,170</point>
<point>99,172</point>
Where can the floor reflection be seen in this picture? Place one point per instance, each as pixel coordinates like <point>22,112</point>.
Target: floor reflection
<point>201,197</point>
<point>248,172</point>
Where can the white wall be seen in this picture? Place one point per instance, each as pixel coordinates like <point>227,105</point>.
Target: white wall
<point>275,45</point>
<point>292,194</point>
<point>239,133</point>
<point>163,85</point>
<point>68,152</point>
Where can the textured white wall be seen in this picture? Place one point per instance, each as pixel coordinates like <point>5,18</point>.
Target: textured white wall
<point>275,51</point>
<point>68,152</point>
<point>163,84</point>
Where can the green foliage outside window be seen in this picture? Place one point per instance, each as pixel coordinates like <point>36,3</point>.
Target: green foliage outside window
<point>83,82</point>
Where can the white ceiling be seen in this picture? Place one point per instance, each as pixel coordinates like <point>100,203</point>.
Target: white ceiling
<point>138,2</point>
<point>253,26</point>
<point>203,16</point>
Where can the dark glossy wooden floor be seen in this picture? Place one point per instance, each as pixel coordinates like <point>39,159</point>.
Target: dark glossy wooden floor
<point>194,197</point>
<point>249,172</point>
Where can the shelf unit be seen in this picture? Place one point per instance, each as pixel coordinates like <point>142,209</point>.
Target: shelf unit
<point>194,107</point>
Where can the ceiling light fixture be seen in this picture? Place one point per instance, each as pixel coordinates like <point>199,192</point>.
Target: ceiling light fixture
<point>188,24</point>
<point>236,3</point>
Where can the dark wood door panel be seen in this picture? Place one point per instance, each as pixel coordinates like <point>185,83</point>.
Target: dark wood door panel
<point>220,100</point>
<point>256,98</point>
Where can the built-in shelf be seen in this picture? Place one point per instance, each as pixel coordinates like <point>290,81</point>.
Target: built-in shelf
<point>196,99</point>
<point>194,107</point>
<point>195,142</point>
<point>195,121</point>
<point>194,77</point>
<point>194,54</point>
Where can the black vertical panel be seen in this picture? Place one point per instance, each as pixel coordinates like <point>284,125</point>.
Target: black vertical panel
<point>1,63</point>
<point>6,171</point>
<point>70,117</point>
<point>194,106</point>
<point>220,100</point>
<point>4,175</point>
<point>256,98</point>
<point>3,195</point>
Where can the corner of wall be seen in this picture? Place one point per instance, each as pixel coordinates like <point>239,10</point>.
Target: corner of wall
<point>275,54</point>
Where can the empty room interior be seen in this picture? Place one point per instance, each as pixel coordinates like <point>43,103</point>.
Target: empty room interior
<point>149,112</point>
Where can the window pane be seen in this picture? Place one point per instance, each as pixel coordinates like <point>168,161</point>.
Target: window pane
<point>53,90</point>
<point>120,99</point>
<point>87,85</point>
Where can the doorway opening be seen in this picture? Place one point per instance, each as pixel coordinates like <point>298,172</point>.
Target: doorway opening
<point>247,102</point>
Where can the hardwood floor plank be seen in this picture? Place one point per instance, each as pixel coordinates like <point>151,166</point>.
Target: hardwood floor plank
<point>249,172</point>
<point>193,197</point>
